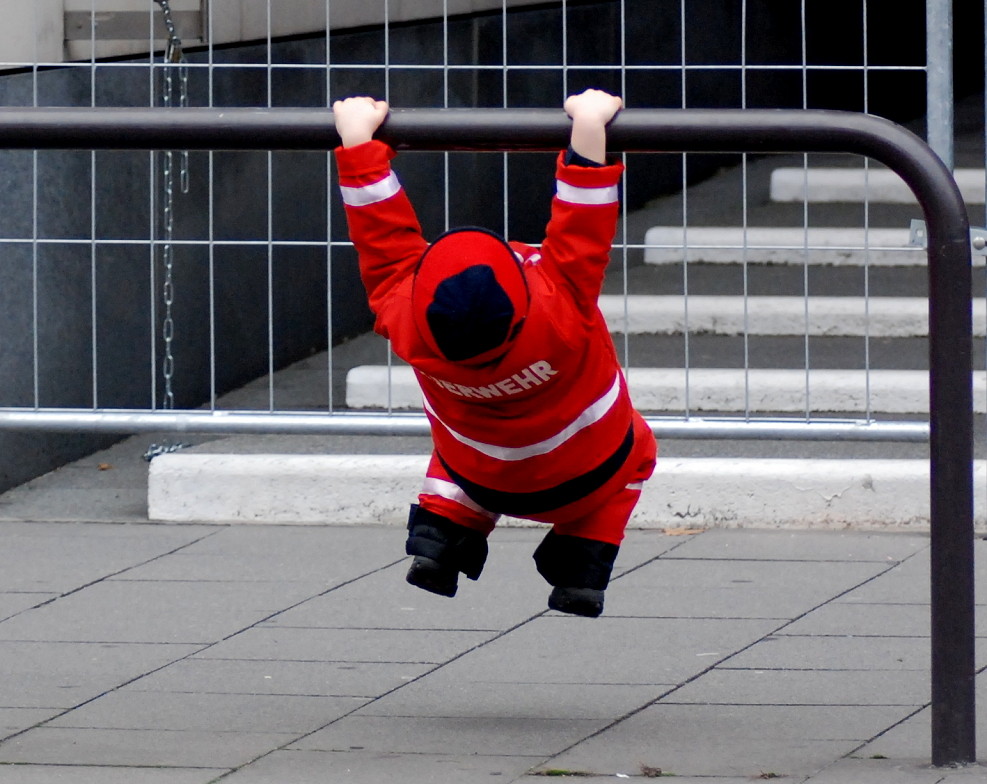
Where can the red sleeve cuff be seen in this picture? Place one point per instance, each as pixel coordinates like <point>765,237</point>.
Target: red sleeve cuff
<point>369,158</point>
<point>588,177</point>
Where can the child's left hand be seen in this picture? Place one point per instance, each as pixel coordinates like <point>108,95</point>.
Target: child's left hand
<point>593,105</point>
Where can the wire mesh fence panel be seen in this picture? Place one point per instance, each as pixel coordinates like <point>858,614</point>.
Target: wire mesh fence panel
<point>744,285</point>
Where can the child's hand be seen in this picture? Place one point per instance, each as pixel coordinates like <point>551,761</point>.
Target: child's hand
<point>590,111</point>
<point>593,105</point>
<point>358,118</point>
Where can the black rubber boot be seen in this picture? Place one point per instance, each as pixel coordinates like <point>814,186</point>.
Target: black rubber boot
<point>430,575</point>
<point>442,549</point>
<point>587,602</point>
<point>579,569</point>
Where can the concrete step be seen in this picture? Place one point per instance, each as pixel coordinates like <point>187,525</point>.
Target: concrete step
<point>825,185</point>
<point>892,317</point>
<point>725,390</point>
<point>689,493</point>
<point>784,245</point>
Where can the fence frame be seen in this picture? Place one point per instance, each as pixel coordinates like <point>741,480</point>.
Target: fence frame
<point>642,130</point>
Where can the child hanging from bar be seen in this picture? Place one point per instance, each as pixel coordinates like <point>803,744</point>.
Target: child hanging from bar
<point>528,406</point>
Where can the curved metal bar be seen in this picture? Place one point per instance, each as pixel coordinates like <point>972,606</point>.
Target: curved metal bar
<point>686,130</point>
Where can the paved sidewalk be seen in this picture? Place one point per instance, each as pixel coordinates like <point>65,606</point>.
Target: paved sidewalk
<point>184,654</point>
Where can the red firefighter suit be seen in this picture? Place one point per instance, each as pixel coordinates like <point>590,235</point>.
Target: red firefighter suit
<point>538,424</point>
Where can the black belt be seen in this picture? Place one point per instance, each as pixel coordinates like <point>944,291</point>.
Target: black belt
<point>538,501</point>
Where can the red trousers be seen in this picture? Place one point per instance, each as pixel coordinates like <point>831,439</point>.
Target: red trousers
<point>602,515</point>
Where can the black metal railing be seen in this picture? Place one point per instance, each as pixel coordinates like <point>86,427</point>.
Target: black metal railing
<point>687,130</point>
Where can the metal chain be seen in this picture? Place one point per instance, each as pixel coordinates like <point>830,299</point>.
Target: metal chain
<point>174,56</point>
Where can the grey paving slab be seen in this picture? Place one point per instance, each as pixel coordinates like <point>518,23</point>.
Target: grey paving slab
<point>322,554</point>
<point>302,678</point>
<point>360,766</point>
<point>845,617</point>
<point>56,675</point>
<point>764,545</point>
<point>420,646</point>
<point>129,747</point>
<point>247,713</point>
<point>617,651</point>
<point>671,587</point>
<point>966,774</point>
<point>82,504</point>
<point>446,694</point>
<point>908,583</point>
<point>88,774</point>
<point>504,596</point>
<point>806,687</point>
<point>640,546</point>
<point>484,735</point>
<point>59,557</point>
<point>717,740</point>
<point>155,611</point>
<point>912,739</point>
<point>836,653</point>
<point>107,486</point>
<point>644,772</point>
<point>862,770</point>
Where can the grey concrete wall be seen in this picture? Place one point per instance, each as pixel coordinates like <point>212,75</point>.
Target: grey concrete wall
<point>109,292</point>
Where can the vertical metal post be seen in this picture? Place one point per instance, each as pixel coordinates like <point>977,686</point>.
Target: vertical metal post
<point>951,466</point>
<point>939,78</point>
<point>952,599</point>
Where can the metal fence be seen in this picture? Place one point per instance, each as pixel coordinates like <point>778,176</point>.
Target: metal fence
<point>694,376</point>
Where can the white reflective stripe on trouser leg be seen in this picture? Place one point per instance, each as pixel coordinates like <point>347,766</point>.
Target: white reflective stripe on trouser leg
<point>453,492</point>
<point>370,194</point>
<point>577,195</point>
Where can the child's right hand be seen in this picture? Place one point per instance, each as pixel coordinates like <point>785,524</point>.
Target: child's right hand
<point>358,118</point>
<point>590,111</point>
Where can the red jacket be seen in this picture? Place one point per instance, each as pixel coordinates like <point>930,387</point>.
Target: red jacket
<point>550,421</point>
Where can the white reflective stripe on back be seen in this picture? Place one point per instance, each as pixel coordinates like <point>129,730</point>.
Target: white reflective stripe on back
<point>576,195</point>
<point>370,194</point>
<point>453,492</point>
<point>591,415</point>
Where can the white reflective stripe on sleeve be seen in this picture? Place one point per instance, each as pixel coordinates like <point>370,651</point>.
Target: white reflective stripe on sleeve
<point>589,416</point>
<point>576,195</point>
<point>370,194</point>
<point>635,486</point>
<point>453,492</point>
